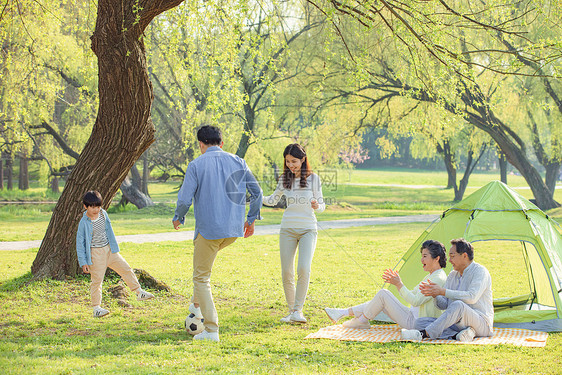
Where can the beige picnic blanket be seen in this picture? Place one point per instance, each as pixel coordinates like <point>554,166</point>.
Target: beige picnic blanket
<point>391,332</point>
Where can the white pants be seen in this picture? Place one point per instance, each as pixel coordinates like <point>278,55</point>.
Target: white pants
<point>457,317</point>
<point>289,239</point>
<point>385,301</point>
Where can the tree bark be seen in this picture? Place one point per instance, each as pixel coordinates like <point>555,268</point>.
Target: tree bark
<point>10,172</point>
<point>551,175</point>
<point>1,173</point>
<point>23,180</point>
<point>502,160</point>
<point>133,194</point>
<point>250,117</point>
<point>55,184</point>
<point>450,164</point>
<point>145,174</point>
<point>122,132</point>
<point>470,165</point>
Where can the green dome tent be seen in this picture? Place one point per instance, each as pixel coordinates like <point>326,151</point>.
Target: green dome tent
<point>516,241</point>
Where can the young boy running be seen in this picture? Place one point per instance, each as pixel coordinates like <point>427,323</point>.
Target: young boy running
<point>97,249</point>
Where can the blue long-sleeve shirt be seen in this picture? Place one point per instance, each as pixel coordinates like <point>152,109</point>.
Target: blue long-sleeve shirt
<point>84,238</point>
<point>216,182</point>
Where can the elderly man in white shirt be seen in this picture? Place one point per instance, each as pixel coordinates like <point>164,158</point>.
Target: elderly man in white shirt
<point>466,299</point>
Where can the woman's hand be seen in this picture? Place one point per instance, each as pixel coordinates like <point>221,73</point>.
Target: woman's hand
<point>392,277</point>
<point>314,204</point>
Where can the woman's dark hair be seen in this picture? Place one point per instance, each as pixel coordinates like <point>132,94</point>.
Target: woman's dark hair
<point>92,199</point>
<point>209,135</point>
<point>436,249</point>
<point>463,246</point>
<point>296,151</point>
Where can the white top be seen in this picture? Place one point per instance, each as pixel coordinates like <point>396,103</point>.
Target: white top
<point>415,298</point>
<point>473,287</point>
<point>299,212</point>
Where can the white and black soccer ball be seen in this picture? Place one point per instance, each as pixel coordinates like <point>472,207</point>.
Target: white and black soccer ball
<point>194,325</point>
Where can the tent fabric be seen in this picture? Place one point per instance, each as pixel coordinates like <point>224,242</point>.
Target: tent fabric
<point>496,212</point>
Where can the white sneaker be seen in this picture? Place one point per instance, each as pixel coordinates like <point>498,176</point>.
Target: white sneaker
<point>196,311</point>
<point>466,335</point>
<point>143,295</point>
<point>286,319</point>
<point>297,317</point>
<point>410,335</point>
<point>99,312</point>
<point>357,324</point>
<point>333,314</point>
<point>206,335</point>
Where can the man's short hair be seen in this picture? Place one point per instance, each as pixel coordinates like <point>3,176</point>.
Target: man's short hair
<point>209,135</point>
<point>463,246</point>
<point>92,199</point>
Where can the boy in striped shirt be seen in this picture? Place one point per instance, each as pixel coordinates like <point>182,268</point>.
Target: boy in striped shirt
<point>97,249</point>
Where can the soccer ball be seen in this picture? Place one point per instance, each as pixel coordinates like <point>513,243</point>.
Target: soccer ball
<point>194,325</point>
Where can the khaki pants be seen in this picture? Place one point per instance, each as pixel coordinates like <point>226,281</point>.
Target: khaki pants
<point>204,254</point>
<point>102,257</point>
<point>289,239</point>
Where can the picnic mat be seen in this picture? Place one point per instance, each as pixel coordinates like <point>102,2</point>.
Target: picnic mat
<point>391,332</point>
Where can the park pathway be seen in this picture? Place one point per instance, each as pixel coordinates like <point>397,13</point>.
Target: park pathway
<point>261,230</point>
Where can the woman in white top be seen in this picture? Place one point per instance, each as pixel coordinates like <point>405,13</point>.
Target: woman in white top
<point>433,260</point>
<point>303,193</point>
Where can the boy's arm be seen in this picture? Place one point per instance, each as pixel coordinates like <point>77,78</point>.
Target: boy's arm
<point>80,245</point>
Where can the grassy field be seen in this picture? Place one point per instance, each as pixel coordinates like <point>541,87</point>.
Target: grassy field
<point>350,195</point>
<point>46,327</point>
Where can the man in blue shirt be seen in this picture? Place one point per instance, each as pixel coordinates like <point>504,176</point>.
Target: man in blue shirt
<point>216,182</point>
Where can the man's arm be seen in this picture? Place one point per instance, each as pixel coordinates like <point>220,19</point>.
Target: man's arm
<point>185,195</point>
<point>256,196</point>
<point>478,281</point>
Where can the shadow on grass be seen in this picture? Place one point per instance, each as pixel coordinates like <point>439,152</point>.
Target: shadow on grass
<point>16,283</point>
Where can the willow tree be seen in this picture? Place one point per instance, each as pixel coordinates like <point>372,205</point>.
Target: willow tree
<point>123,129</point>
<point>447,48</point>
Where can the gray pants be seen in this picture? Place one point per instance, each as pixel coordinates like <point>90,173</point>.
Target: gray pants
<point>457,317</point>
<point>289,239</point>
<point>385,301</point>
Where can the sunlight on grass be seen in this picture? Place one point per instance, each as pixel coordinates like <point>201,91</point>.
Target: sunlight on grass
<point>47,327</point>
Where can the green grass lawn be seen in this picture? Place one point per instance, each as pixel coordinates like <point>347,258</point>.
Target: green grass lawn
<point>47,328</point>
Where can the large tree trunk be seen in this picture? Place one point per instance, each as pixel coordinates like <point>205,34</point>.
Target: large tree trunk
<point>122,132</point>
<point>23,180</point>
